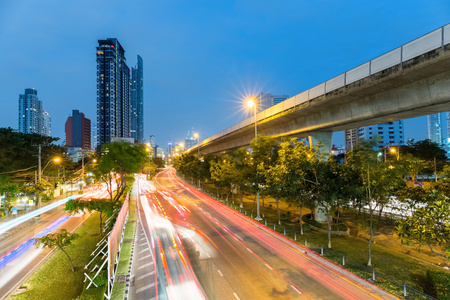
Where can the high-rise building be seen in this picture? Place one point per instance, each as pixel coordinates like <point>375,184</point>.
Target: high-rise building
<point>438,130</point>
<point>78,131</point>
<point>267,100</point>
<point>46,123</point>
<point>190,140</point>
<point>137,101</point>
<point>391,133</point>
<point>93,135</point>
<point>437,127</point>
<point>113,95</point>
<point>32,117</point>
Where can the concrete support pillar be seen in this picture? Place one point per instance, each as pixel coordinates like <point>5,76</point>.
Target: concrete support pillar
<point>325,140</point>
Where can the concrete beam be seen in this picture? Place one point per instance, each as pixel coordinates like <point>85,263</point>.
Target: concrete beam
<point>415,88</point>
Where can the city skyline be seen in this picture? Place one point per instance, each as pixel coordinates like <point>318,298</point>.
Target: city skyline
<point>196,73</point>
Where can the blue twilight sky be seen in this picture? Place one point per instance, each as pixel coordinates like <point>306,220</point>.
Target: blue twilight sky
<point>200,56</point>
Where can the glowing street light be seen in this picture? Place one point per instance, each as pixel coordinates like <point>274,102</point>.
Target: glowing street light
<point>251,103</point>
<point>41,172</point>
<point>198,142</point>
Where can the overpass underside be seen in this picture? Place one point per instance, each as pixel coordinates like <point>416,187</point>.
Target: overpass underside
<point>417,87</point>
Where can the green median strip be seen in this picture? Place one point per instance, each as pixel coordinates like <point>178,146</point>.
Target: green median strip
<point>54,279</point>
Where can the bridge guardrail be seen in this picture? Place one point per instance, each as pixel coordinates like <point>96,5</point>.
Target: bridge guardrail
<point>436,39</point>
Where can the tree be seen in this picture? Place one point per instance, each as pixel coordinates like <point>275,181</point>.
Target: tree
<point>223,173</point>
<point>58,240</point>
<point>118,160</point>
<point>428,152</point>
<point>8,189</point>
<point>413,165</point>
<point>428,225</point>
<point>102,206</point>
<point>379,180</point>
<point>287,178</point>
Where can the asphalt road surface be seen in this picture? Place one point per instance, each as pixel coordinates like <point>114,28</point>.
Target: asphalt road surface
<point>233,256</point>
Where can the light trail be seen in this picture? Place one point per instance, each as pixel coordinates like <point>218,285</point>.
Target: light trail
<point>173,267</point>
<point>19,220</point>
<point>335,278</point>
<point>18,251</point>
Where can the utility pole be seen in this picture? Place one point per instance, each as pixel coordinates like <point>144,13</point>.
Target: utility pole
<point>82,165</point>
<point>39,160</point>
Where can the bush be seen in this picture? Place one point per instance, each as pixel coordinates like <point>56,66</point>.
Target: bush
<point>101,279</point>
<point>339,226</point>
<point>441,284</point>
<point>306,227</point>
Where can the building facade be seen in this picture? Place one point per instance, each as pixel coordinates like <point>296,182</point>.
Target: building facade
<point>113,95</point>
<point>438,130</point>
<point>32,117</point>
<point>267,100</point>
<point>78,131</point>
<point>46,123</point>
<point>389,134</point>
<point>137,101</point>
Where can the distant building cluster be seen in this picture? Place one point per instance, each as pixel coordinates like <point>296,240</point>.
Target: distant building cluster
<point>388,134</point>
<point>33,118</point>
<point>119,98</point>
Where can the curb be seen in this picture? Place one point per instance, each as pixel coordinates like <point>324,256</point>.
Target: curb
<point>130,265</point>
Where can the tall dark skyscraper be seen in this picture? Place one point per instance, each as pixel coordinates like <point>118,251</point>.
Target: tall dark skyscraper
<point>78,131</point>
<point>113,94</point>
<point>137,101</point>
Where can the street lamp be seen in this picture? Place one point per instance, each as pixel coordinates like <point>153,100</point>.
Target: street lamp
<point>198,142</point>
<point>41,172</point>
<point>251,103</point>
<point>149,150</point>
<point>393,150</point>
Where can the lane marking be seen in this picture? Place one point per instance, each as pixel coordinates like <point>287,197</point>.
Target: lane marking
<point>296,289</point>
<point>145,275</point>
<point>146,249</point>
<point>145,288</point>
<point>146,265</point>
<point>236,296</point>
<point>220,273</point>
<point>144,257</point>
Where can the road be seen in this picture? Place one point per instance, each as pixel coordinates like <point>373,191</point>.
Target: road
<point>19,258</point>
<point>234,257</point>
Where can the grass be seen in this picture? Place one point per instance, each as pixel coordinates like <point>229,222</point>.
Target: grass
<point>124,260</point>
<point>118,292</point>
<point>394,264</point>
<point>129,230</point>
<point>54,279</point>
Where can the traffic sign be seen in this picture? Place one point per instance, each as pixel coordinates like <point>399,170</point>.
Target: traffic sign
<point>14,211</point>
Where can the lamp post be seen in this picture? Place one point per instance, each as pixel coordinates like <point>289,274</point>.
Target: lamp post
<point>41,172</point>
<point>198,142</point>
<point>149,149</point>
<point>251,103</point>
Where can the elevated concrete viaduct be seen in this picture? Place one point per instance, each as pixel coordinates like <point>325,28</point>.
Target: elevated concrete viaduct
<point>410,81</point>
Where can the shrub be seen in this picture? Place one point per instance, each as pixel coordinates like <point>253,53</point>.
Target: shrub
<point>441,284</point>
<point>306,227</point>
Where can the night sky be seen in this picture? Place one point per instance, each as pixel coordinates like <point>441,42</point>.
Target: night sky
<point>200,57</point>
